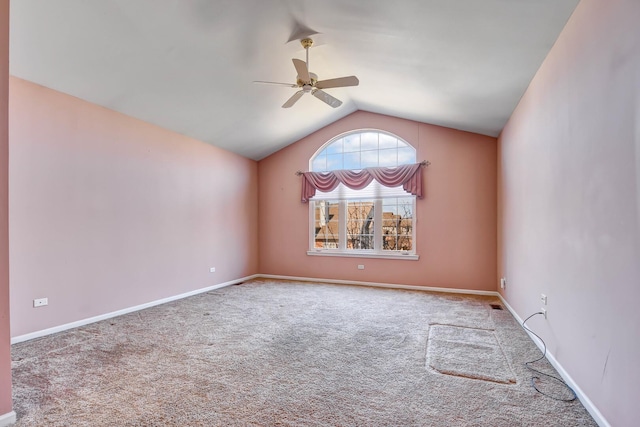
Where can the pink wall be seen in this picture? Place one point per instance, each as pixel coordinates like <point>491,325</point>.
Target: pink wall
<point>456,221</point>
<point>5,340</point>
<point>108,212</point>
<point>570,211</point>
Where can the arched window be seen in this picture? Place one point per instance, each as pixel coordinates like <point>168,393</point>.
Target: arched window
<point>362,149</point>
<point>376,221</point>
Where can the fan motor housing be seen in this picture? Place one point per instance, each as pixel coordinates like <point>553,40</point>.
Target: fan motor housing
<point>312,76</point>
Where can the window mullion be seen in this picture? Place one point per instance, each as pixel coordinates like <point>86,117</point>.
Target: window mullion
<point>342,226</point>
<point>414,223</point>
<point>377,222</point>
<point>312,224</point>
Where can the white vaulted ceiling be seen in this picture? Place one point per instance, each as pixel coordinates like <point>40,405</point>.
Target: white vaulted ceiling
<point>188,65</point>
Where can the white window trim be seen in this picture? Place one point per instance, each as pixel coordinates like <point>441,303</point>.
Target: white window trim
<point>362,254</point>
<point>342,250</point>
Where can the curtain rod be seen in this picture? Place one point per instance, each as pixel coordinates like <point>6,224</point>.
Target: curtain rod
<point>423,163</point>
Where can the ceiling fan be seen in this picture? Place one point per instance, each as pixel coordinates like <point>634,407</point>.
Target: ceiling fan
<point>307,82</point>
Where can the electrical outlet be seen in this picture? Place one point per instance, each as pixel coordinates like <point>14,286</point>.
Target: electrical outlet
<point>212,270</point>
<point>544,312</point>
<point>39,302</point>
<point>360,266</point>
<point>503,282</point>
<point>543,298</point>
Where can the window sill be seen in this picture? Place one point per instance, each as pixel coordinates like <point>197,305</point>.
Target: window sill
<point>354,254</point>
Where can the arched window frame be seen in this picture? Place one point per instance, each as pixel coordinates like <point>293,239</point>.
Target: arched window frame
<point>375,202</point>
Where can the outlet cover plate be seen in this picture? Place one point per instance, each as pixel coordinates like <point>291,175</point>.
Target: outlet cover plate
<point>39,302</point>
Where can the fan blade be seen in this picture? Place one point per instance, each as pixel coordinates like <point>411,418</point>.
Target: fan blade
<point>301,68</point>
<point>339,82</point>
<point>325,97</point>
<point>293,99</point>
<point>275,83</point>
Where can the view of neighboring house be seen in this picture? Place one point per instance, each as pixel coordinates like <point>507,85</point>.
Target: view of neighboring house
<point>397,224</point>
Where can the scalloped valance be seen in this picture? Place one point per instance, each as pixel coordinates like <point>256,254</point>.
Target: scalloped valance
<point>407,176</point>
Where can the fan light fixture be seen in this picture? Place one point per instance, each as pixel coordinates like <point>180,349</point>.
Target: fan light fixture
<point>307,82</point>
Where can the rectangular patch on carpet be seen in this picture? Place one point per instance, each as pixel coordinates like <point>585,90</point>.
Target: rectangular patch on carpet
<point>468,352</point>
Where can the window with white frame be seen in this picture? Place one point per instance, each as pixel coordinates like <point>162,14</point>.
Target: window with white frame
<point>376,221</point>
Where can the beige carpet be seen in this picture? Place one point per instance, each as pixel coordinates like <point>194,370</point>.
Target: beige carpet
<point>291,354</point>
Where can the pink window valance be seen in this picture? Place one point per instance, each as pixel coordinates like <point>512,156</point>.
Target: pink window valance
<point>409,176</point>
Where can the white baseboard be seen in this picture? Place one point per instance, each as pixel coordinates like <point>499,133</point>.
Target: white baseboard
<point>588,404</point>
<point>380,285</point>
<point>7,419</point>
<point>10,418</point>
<point>78,323</point>
<point>55,329</point>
